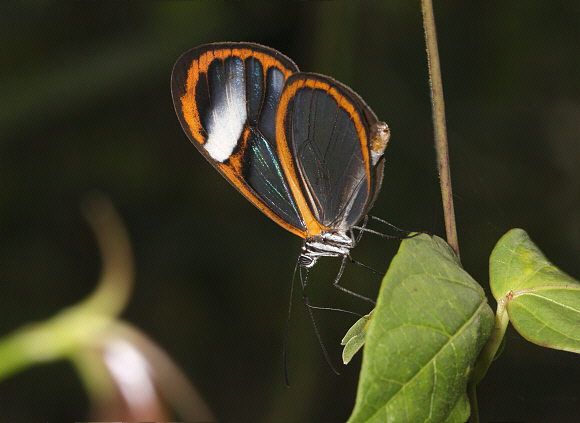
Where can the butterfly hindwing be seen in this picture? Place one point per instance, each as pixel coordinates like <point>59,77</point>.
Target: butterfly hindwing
<point>324,137</point>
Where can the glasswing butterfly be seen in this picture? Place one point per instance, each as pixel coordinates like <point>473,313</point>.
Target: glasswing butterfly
<point>302,147</point>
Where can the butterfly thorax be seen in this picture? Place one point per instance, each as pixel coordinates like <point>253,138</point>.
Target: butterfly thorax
<point>326,244</point>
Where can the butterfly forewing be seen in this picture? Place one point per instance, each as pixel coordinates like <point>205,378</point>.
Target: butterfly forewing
<point>226,96</point>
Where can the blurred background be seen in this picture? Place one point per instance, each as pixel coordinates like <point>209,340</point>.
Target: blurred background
<point>85,105</point>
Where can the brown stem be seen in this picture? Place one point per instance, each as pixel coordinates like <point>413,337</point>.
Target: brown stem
<point>438,106</point>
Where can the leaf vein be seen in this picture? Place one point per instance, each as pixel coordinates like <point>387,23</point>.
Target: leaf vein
<point>450,341</point>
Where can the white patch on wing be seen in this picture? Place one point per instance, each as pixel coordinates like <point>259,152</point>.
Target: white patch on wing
<point>227,120</point>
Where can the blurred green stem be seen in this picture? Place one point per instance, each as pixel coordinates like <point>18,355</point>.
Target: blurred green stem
<point>438,106</point>
<point>76,326</point>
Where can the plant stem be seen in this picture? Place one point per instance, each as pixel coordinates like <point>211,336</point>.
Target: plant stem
<point>77,325</point>
<point>472,394</point>
<point>493,344</point>
<point>487,356</point>
<point>438,106</point>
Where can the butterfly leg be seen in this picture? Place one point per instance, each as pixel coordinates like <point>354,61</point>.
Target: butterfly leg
<point>361,232</point>
<point>342,288</point>
<point>407,234</point>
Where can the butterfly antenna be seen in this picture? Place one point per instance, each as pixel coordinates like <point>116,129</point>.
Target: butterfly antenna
<point>285,349</point>
<point>307,302</point>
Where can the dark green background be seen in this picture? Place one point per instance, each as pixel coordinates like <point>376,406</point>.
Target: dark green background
<point>85,105</point>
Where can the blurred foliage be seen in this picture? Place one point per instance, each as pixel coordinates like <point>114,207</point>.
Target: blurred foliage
<point>85,104</point>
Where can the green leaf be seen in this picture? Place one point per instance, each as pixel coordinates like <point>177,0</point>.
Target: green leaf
<point>543,303</point>
<point>461,412</point>
<point>355,338</point>
<point>430,323</point>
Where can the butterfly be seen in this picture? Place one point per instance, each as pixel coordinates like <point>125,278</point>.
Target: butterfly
<point>302,147</point>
